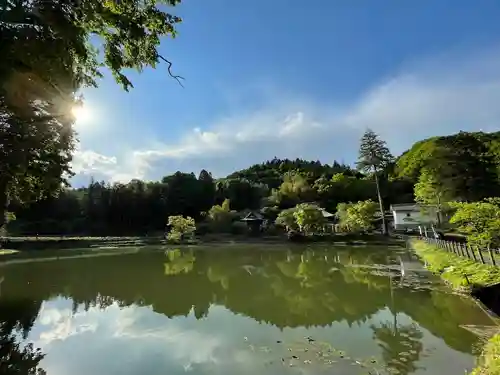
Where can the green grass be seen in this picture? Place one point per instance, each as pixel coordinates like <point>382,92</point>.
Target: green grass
<point>7,251</point>
<point>456,270</point>
<point>452,269</point>
<point>489,362</point>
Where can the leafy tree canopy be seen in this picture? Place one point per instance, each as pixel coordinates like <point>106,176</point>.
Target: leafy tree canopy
<point>287,220</point>
<point>50,50</point>
<point>480,221</point>
<point>309,218</point>
<point>180,227</point>
<point>466,165</point>
<point>88,33</point>
<point>430,191</point>
<point>358,216</point>
<point>272,172</point>
<point>221,216</point>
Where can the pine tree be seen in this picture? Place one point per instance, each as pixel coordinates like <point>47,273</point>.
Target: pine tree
<point>374,156</point>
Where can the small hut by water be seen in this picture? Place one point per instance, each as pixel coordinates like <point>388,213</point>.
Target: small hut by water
<point>331,220</point>
<point>254,221</point>
<point>327,215</point>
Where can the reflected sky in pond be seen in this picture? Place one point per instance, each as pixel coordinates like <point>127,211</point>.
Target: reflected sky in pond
<point>309,311</point>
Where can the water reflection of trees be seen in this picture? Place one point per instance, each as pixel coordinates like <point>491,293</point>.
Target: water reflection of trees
<point>286,289</point>
<point>16,320</point>
<point>401,346</point>
<point>179,262</point>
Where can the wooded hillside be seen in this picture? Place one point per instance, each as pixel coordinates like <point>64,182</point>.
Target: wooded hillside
<point>466,166</point>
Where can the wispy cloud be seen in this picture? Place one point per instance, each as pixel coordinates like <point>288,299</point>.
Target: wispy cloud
<point>90,163</point>
<point>437,96</point>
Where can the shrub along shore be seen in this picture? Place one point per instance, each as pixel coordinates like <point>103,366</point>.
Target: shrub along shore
<point>465,275</point>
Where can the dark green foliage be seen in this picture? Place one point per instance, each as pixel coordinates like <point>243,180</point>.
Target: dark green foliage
<point>465,164</point>
<point>128,33</point>
<point>46,58</point>
<point>100,209</point>
<point>142,207</point>
<point>16,321</point>
<point>341,188</point>
<point>241,192</point>
<point>206,190</point>
<point>271,172</point>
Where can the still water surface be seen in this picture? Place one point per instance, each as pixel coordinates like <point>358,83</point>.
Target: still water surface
<point>309,310</point>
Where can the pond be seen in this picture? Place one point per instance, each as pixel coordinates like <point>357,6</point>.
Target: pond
<point>233,310</point>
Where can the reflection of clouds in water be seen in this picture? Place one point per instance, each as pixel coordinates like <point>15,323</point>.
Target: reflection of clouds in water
<point>136,340</point>
<point>136,334</point>
<point>184,345</point>
<point>49,315</point>
<point>62,324</point>
<point>132,340</point>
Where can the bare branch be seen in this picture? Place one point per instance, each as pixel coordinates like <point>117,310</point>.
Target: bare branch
<point>176,77</point>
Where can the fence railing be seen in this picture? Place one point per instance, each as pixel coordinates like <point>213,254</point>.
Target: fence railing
<point>484,256</point>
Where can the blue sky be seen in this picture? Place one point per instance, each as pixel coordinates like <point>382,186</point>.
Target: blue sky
<point>292,78</point>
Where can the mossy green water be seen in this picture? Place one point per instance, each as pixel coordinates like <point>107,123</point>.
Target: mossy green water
<point>459,272</point>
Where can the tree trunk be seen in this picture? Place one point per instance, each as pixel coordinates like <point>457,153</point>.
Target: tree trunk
<point>438,212</point>
<point>385,230</point>
<point>4,205</point>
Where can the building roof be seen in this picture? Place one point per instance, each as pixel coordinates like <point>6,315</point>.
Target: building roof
<point>410,207</point>
<point>253,216</point>
<point>405,207</point>
<point>326,213</point>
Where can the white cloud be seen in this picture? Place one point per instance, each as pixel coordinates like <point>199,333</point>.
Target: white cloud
<point>141,336</point>
<point>227,136</point>
<point>61,324</point>
<point>439,96</point>
<point>89,161</point>
<point>186,346</point>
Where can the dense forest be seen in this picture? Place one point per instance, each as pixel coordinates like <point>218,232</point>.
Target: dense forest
<point>463,167</point>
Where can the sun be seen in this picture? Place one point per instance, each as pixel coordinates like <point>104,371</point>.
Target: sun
<point>81,113</point>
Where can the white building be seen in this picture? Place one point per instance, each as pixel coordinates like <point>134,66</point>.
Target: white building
<point>411,215</point>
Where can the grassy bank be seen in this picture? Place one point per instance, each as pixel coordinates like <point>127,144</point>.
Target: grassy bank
<point>464,274</point>
<point>7,251</point>
<point>489,362</point>
<point>461,273</point>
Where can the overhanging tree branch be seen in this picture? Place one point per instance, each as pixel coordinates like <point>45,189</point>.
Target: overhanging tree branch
<point>176,77</point>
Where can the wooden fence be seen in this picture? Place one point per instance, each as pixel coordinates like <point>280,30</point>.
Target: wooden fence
<point>484,256</point>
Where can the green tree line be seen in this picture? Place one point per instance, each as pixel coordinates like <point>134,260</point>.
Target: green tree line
<point>143,207</point>
<point>458,175</point>
<point>432,172</point>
